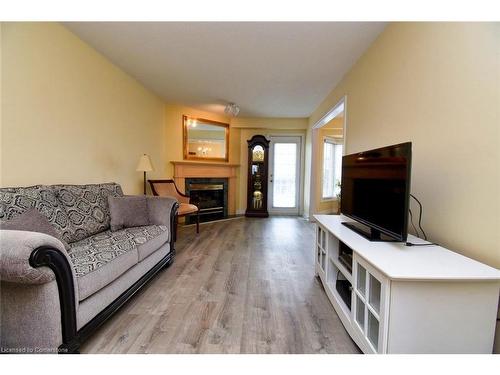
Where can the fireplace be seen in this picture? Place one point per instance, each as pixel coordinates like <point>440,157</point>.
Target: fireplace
<point>210,194</point>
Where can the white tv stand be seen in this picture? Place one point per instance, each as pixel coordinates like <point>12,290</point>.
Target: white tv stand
<point>420,299</point>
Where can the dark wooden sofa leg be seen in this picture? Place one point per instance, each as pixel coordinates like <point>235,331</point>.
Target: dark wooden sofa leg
<point>176,226</point>
<point>198,222</point>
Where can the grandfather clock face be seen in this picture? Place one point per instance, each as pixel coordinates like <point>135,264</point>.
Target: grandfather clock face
<point>257,153</point>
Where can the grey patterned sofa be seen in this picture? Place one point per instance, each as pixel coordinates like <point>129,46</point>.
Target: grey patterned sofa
<point>51,297</point>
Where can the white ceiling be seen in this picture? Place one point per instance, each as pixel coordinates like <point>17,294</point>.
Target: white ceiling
<point>268,69</point>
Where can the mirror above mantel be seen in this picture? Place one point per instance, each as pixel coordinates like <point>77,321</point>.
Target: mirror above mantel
<point>205,139</point>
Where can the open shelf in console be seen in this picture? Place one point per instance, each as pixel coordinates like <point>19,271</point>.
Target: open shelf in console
<point>341,255</point>
<point>345,256</point>
<point>339,285</point>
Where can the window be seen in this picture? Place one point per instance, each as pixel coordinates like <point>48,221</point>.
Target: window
<point>332,169</point>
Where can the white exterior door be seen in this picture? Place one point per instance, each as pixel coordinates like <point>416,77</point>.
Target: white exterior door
<point>284,176</point>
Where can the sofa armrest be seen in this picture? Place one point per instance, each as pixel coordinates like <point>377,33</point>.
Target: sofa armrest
<point>30,261</point>
<point>163,211</point>
<point>16,248</point>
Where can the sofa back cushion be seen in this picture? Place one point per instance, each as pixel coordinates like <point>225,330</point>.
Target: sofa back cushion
<point>16,201</point>
<point>87,207</point>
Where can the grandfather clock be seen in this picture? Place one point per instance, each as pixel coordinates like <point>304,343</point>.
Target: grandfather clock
<point>258,164</point>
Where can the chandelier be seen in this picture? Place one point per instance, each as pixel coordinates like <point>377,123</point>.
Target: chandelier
<point>232,109</point>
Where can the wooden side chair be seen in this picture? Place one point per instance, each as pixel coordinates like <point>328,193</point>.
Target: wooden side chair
<point>167,188</point>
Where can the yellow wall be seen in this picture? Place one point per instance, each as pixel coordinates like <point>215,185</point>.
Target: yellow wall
<point>437,85</point>
<point>69,115</point>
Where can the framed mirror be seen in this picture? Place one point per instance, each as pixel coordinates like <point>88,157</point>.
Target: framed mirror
<point>205,139</point>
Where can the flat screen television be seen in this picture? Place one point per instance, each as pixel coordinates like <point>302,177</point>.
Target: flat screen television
<point>375,191</point>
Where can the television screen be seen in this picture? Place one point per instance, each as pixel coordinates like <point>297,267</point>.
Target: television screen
<point>376,189</point>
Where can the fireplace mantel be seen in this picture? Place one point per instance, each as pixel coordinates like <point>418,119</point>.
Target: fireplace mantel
<point>188,162</point>
<point>185,169</point>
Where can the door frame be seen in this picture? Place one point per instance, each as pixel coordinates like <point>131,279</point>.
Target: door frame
<point>300,192</point>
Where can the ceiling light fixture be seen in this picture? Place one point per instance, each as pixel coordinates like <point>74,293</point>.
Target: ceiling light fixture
<point>232,109</point>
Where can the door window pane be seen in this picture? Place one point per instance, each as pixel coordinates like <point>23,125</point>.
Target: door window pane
<point>284,175</point>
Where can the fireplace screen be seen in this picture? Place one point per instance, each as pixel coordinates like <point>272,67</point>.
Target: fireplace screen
<point>209,196</point>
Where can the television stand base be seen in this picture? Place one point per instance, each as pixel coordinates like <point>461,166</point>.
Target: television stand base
<point>370,234</point>
<point>406,300</point>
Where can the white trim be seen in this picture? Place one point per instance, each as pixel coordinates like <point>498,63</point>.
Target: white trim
<point>333,140</point>
<point>331,114</point>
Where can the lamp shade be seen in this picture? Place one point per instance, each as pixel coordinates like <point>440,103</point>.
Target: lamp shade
<point>144,164</point>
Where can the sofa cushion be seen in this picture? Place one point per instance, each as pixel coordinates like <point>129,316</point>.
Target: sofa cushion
<point>101,258</point>
<point>186,208</point>
<point>149,239</point>
<point>33,221</point>
<point>87,207</point>
<point>15,201</point>
<point>128,212</point>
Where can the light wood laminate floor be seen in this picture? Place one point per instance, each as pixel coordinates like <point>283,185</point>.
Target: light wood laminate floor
<point>240,286</point>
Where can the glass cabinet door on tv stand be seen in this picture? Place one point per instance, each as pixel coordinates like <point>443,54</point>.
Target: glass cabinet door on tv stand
<point>369,296</point>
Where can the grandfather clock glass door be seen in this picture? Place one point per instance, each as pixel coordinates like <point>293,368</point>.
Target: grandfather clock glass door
<point>258,165</point>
